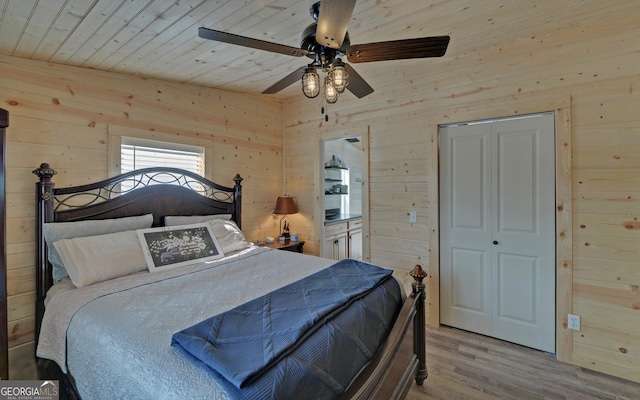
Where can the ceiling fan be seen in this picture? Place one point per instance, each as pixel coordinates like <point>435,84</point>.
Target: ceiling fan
<point>326,42</point>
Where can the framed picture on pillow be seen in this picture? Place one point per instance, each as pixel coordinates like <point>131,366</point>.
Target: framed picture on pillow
<point>174,246</point>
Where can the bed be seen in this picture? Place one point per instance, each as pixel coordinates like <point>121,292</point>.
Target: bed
<point>100,332</point>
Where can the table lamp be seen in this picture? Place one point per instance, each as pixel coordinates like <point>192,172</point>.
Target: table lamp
<point>284,205</point>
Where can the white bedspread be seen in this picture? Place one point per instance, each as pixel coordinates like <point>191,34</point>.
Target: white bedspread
<point>119,332</point>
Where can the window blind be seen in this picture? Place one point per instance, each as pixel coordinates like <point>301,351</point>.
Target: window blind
<point>140,153</point>
<point>136,157</point>
<point>136,153</point>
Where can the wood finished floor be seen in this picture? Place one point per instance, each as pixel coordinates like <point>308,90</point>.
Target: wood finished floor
<point>464,365</point>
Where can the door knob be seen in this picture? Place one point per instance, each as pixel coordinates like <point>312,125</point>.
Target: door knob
<point>495,242</point>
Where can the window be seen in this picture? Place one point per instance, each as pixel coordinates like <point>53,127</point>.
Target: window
<point>143,153</point>
<point>131,148</point>
<point>137,153</point>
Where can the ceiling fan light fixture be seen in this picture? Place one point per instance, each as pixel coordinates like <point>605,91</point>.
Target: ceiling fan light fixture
<point>326,42</point>
<point>330,92</point>
<point>310,83</point>
<point>339,76</point>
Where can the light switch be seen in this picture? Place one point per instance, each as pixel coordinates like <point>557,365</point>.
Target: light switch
<point>413,218</point>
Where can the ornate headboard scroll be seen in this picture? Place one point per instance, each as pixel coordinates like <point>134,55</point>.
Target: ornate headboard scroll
<point>158,191</point>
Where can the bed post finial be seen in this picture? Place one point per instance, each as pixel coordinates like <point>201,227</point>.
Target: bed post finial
<point>237,195</point>
<point>45,172</point>
<point>418,275</point>
<point>419,324</point>
<point>44,213</point>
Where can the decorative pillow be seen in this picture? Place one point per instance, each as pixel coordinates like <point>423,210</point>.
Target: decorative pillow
<point>174,246</point>
<point>229,235</point>
<point>92,259</point>
<point>55,231</point>
<point>173,220</point>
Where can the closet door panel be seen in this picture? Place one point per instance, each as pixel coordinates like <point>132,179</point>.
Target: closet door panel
<point>465,254</point>
<point>523,203</point>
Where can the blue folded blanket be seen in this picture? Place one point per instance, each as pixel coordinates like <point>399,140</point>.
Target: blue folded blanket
<point>242,343</point>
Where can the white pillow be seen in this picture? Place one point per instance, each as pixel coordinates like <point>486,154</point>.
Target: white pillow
<point>229,235</point>
<point>54,231</point>
<point>174,220</point>
<point>92,259</point>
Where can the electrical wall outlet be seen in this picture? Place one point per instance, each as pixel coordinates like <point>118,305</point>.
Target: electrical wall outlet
<point>573,322</point>
<point>413,217</point>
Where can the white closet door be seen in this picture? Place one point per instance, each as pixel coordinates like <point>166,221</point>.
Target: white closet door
<point>512,175</point>
<point>465,228</point>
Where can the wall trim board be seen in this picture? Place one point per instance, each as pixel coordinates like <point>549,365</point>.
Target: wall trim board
<point>564,235</point>
<point>4,334</point>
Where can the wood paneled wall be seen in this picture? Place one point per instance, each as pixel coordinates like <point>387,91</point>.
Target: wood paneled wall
<point>584,63</point>
<point>61,115</point>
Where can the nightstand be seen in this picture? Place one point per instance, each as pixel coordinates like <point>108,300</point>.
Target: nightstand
<point>287,245</point>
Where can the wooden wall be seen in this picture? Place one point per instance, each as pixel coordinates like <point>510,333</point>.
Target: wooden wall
<point>61,115</point>
<point>581,60</point>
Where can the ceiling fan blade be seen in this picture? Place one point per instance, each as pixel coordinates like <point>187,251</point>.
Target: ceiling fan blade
<point>286,81</point>
<point>434,46</point>
<point>231,38</point>
<point>357,85</point>
<point>333,20</point>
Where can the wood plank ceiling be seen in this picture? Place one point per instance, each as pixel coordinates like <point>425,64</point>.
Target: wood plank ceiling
<point>158,38</point>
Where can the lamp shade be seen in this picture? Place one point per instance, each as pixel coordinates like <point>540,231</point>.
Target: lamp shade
<point>330,92</point>
<point>310,83</point>
<point>285,205</point>
<point>339,76</point>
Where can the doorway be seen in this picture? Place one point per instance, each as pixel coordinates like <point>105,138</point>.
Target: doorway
<point>497,228</point>
<point>344,173</point>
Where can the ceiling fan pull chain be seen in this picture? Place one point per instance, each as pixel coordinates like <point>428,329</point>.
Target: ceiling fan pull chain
<point>325,109</point>
<point>322,108</point>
